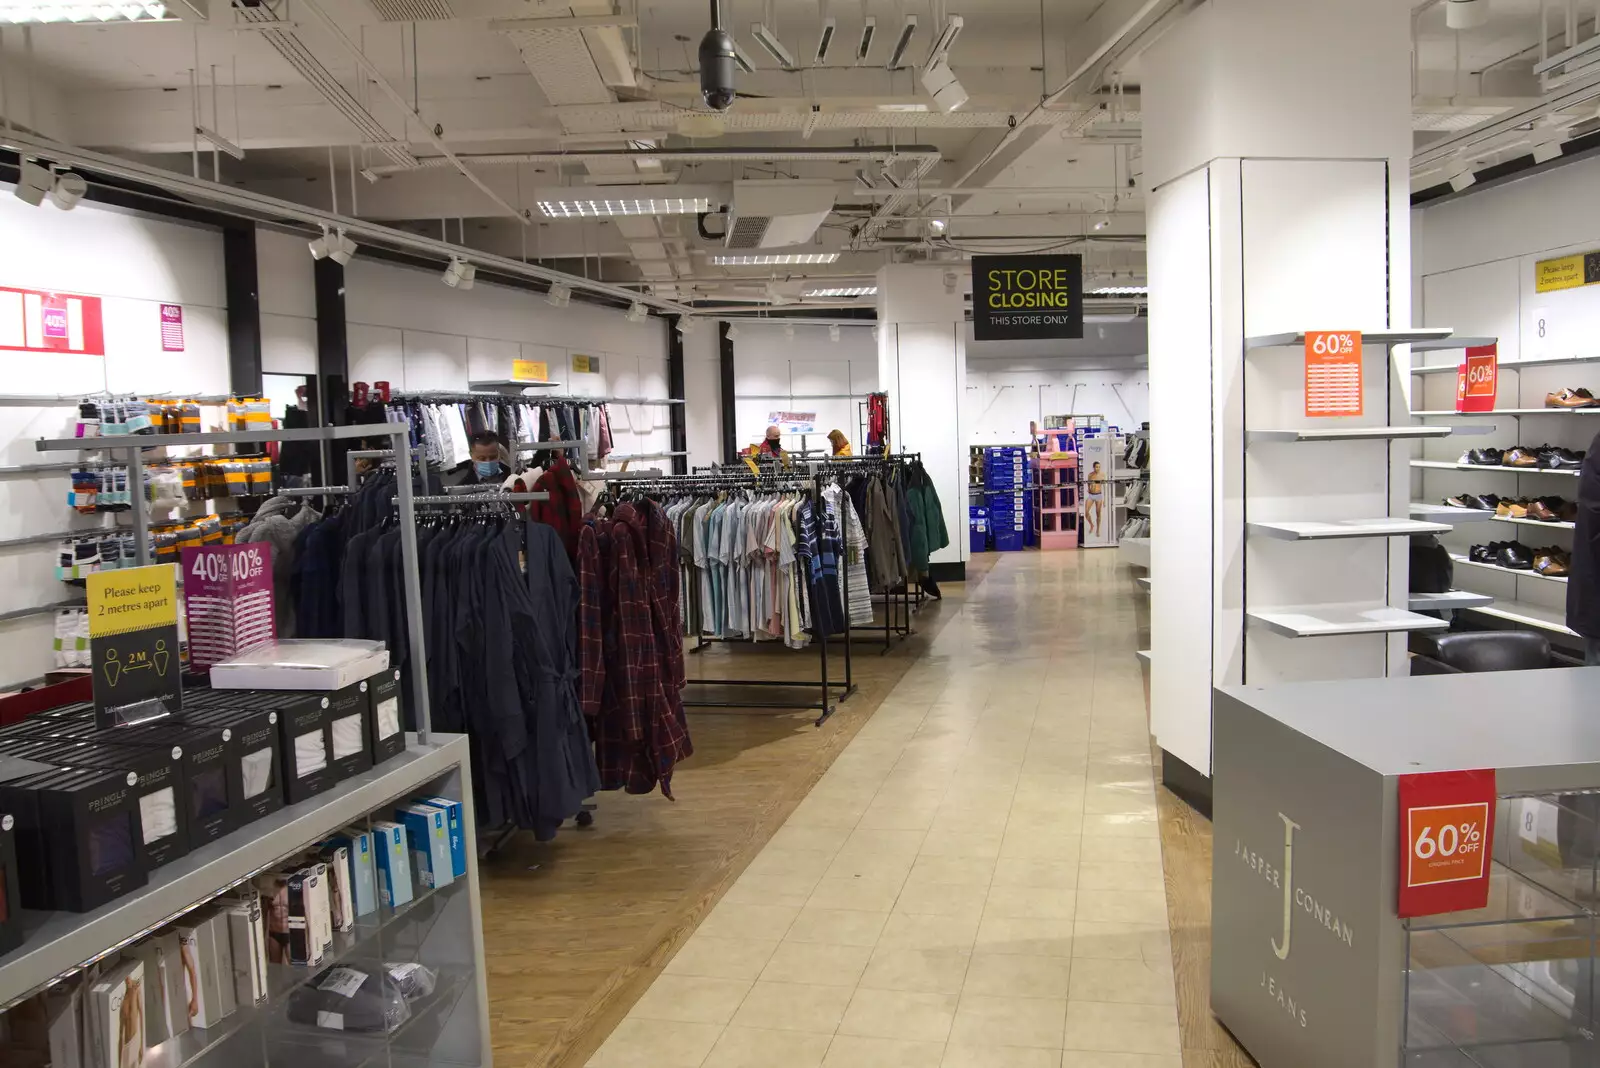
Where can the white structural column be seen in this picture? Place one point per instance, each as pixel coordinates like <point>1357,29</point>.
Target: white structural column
<point>1277,140</point>
<point>922,365</point>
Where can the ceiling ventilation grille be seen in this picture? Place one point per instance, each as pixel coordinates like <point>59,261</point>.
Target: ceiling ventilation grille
<point>412,10</point>
<point>748,231</point>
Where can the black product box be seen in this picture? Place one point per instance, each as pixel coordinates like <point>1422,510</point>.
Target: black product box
<point>252,758</point>
<point>213,810</point>
<point>388,715</point>
<point>303,718</point>
<point>158,787</point>
<point>10,891</point>
<point>77,831</point>
<point>350,729</point>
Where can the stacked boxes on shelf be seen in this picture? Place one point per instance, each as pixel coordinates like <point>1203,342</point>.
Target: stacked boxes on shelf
<point>978,527</point>
<point>1005,481</point>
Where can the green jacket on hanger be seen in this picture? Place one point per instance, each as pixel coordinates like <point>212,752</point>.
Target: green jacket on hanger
<point>928,518</point>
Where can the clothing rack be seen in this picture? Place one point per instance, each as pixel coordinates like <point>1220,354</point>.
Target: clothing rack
<point>477,498</point>
<point>774,481</point>
<point>445,396</point>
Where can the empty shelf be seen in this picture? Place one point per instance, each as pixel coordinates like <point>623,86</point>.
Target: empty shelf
<point>1448,343</point>
<point>1530,615</point>
<point>1349,433</point>
<point>1449,466</point>
<point>1449,600</point>
<point>1520,573</point>
<point>1144,582</point>
<point>1320,621</point>
<point>1387,527</point>
<point>1143,655</point>
<point>1376,337</point>
<point>1444,513</point>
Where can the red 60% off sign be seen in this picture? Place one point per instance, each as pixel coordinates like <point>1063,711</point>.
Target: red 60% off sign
<point>1333,372</point>
<point>1445,839</point>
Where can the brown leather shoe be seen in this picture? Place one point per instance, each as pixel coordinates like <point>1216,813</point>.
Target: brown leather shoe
<point>1570,398</point>
<point>1520,457</point>
<point>1543,512</point>
<point>1552,562</point>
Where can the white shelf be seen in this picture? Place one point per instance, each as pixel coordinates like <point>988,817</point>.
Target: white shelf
<point>1375,337</point>
<point>1144,582</point>
<point>1531,615</point>
<point>1531,522</point>
<point>1387,527</point>
<point>1349,433</point>
<point>1134,552</point>
<point>1529,573</point>
<point>1509,411</point>
<point>1143,655</point>
<point>1444,513</point>
<point>1451,343</point>
<point>1447,465</point>
<point>1449,601</point>
<point>1511,365</point>
<point>1320,621</point>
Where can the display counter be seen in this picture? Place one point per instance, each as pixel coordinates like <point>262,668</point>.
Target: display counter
<point>1312,967</point>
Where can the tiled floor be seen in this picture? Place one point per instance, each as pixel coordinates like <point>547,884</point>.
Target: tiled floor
<point>975,883</point>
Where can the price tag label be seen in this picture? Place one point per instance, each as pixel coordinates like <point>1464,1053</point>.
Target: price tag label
<point>227,592</point>
<point>1478,380</point>
<point>1333,373</point>
<point>1446,832</point>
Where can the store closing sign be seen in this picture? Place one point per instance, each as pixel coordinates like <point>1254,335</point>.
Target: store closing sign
<point>1478,379</point>
<point>1020,298</point>
<point>1446,839</point>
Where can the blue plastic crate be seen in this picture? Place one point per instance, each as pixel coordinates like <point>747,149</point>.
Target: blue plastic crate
<point>1010,541</point>
<point>978,528</point>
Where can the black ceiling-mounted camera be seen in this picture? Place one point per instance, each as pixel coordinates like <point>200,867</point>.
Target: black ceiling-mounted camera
<point>717,63</point>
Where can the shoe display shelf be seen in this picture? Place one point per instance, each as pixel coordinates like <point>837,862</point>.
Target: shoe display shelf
<point>1316,769</point>
<point>1311,568</point>
<point>1521,599</point>
<point>440,929</point>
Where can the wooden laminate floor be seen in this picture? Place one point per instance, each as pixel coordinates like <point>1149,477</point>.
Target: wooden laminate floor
<point>577,928</point>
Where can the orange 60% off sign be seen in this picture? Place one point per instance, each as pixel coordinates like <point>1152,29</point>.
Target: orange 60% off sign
<point>1333,372</point>
<point>1445,832</point>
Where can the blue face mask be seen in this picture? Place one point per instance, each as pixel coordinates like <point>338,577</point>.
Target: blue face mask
<point>487,468</point>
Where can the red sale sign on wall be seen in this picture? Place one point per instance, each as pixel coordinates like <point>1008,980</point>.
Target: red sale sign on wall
<point>1478,379</point>
<point>36,321</point>
<point>1446,839</point>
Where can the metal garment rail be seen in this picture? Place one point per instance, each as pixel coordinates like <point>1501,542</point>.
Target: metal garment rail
<point>793,481</point>
<point>472,396</point>
<point>405,498</point>
<point>897,604</point>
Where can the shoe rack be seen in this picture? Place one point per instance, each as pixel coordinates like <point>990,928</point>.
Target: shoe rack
<point>1506,598</point>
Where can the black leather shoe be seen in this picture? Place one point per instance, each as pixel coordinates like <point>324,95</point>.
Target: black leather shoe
<point>1487,501</point>
<point>1515,556</point>
<point>1485,457</point>
<point>1483,554</point>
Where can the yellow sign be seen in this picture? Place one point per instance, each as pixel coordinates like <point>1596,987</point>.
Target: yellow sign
<point>530,371</point>
<point>132,599</point>
<point>585,365</point>
<point>1564,273</point>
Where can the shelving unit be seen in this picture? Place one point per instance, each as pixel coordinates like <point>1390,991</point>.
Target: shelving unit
<point>1348,433</point>
<point>1523,598</point>
<point>440,929</point>
<point>1448,601</point>
<point>1444,513</point>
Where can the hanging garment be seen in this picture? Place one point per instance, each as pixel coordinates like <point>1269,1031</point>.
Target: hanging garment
<point>564,509</point>
<point>885,557</point>
<point>853,576</point>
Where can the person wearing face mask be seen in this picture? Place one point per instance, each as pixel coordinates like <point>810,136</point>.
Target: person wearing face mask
<point>486,467</point>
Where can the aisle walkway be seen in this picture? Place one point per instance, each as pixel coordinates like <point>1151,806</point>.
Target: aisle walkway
<point>975,883</point>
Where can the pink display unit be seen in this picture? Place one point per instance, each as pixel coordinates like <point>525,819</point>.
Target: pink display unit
<point>1055,503</point>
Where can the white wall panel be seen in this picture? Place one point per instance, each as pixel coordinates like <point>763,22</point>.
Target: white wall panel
<point>134,263</point>
<point>702,383</point>
<point>806,373</point>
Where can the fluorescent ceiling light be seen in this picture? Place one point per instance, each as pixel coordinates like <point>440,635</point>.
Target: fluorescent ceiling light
<point>865,179</point>
<point>869,29</point>
<point>741,57</point>
<point>843,291</point>
<point>27,11</point>
<point>769,40</point>
<point>908,31</point>
<point>594,208</point>
<point>771,259</point>
<point>1120,291</point>
<point>830,25</point>
<point>941,47</point>
<point>902,107</point>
